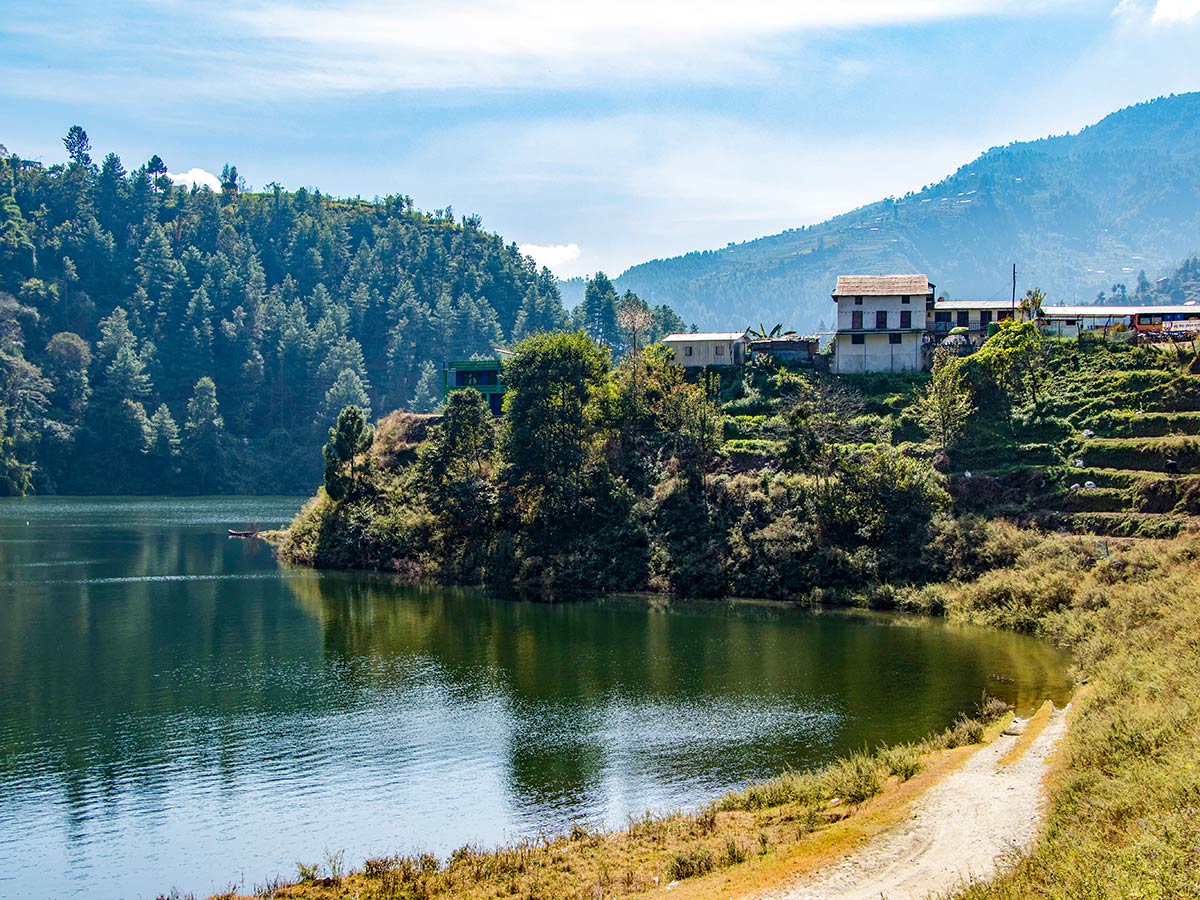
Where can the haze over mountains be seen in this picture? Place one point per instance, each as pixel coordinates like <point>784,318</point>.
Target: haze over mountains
<point>1076,213</point>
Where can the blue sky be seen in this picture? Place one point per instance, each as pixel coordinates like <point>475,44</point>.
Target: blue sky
<point>596,134</point>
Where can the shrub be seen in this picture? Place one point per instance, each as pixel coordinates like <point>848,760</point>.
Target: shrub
<point>733,853</point>
<point>966,546</point>
<point>790,787</point>
<point>689,863</point>
<point>903,760</point>
<point>966,731</point>
<point>854,779</point>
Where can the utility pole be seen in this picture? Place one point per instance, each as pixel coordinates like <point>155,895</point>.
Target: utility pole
<point>1014,293</point>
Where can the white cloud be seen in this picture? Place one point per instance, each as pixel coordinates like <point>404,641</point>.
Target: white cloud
<point>558,258</point>
<point>1176,10</point>
<point>196,178</point>
<point>522,43</point>
<point>635,186</point>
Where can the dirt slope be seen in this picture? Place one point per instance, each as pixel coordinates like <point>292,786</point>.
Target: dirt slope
<point>960,830</point>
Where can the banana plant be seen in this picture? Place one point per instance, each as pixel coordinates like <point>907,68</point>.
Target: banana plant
<point>763,335</point>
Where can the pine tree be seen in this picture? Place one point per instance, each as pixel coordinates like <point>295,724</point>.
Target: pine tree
<point>346,390</point>
<point>600,312</point>
<point>162,448</point>
<point>428,396</point>
<point>348,439</point>
<point>204,438</point>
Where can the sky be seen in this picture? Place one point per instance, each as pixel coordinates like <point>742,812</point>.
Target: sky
<point>596,135</point>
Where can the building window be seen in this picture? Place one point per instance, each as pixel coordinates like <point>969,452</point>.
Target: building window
<point>881,318</point>
<point>856,320</point>
<point>1070,322</point>
<point>895,338</point>
<point>719,350</point>
<point>1005,314</point>
<point>687,351</point>
<point>858,338</point>
<point>858,301</point>
<point>985,318</point>
<point>906,318</point>
<point>964,319</point>
<point>941,316</point>
<point>905,299</point>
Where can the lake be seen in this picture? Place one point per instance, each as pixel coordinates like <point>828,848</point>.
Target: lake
<point>178,711</point>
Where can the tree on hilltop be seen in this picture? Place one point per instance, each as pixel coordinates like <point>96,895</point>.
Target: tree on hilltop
<point>348,439</point>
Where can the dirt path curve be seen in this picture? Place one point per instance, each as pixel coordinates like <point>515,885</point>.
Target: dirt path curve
<point>955,833</point>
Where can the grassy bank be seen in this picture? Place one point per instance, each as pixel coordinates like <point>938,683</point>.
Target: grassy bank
<point>1124,819</point>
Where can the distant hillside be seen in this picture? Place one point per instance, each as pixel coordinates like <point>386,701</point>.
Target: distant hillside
<point>1076,213</point>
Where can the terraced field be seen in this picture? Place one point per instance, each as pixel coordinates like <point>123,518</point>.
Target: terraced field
<point>1113,447</point>
<point>1126,458</point>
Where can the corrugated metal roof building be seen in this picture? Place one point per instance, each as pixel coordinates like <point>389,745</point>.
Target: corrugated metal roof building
<point>708,348</point>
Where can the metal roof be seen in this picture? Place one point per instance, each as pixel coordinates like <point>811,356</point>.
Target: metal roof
<point>973,304</point>
<point>683,337</point>
<point>882,285</point>
<point>1112,312</point>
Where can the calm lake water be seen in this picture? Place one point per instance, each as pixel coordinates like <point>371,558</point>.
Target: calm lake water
<point>178,711</point>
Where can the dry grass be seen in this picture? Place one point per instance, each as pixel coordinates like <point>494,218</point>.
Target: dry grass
<point>1124,819</point>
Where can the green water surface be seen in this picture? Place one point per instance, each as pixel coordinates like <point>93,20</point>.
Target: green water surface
<point>176,710</point>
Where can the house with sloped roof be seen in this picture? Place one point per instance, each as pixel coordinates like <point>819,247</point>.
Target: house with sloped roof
<point>881,323</point>
<point>708,348</point>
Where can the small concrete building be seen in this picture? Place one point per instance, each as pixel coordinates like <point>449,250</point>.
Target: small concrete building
<point>974,315</point>
<point>484,375</point>
<point>881,323</point>
<point>789,349</point>
<point>1069,321</point>
<point>708,348</point>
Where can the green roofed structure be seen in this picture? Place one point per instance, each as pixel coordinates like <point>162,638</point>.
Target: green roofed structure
<point>484,375</point>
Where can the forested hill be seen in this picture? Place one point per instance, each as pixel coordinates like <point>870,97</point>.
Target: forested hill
<point>157,338</point>
<point>1076,213</point>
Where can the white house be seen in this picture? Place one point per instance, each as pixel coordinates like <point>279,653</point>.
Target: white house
<point>881,322</point>
<point>709,348</point>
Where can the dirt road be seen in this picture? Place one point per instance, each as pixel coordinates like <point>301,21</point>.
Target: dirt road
<point>957,832</point>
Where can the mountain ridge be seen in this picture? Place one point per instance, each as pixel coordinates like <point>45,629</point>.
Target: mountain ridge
<point>1078,213</point>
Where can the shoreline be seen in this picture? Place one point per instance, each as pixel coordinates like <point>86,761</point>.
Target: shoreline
<point>743,841</point>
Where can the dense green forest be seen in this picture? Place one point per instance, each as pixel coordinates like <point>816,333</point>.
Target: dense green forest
<point>156,338</point>
<point>1078,214</point>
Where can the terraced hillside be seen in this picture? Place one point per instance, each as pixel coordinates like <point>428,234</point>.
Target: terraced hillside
<point>1111,448</point>
<point>1115,449</point>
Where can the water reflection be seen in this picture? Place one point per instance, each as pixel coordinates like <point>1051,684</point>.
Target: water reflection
<point>622,691</point>
<point>175,710</point>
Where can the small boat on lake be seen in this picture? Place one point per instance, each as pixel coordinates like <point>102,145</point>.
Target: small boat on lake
<point>252,531</point>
